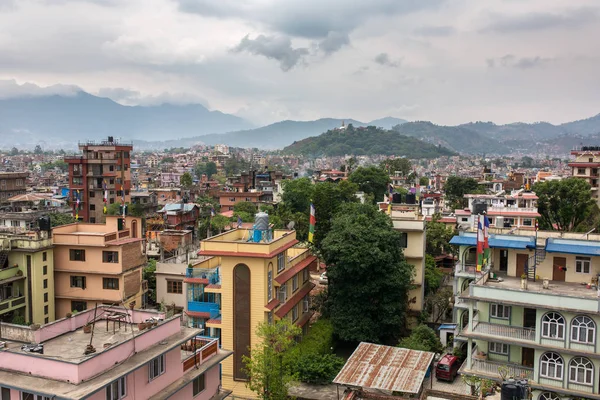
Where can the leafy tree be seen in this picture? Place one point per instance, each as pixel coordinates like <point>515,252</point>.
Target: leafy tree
<point>57,219</point>
<point>149,275</point>
<point>565,204</point>
<point>268,376</point>
<point>371,180</point>
<point>527,162</point>
<point>393,165</point>
<point>422,338</point>
<point>437,303</point>
<point>438,237</point>
<point>134,210</point>
<point>209,168</point>
<point>14,151</point>
<point>327,199</point>
<point>166,160</point>
<point>219,222</point>
<point>186,180</point>
<point>60,164</point>
<point>38,149</point>
<point>368,275</point>
<point>433,275</point>
<point>235,165</point>
<point>297,194</point>
<point>246,207</point>
<point>456,187</point>
<point>423,181</point>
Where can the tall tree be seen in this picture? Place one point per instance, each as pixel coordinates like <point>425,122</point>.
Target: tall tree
<point>393,165</point>
<point>368,275</point>
<point>149,275</point>
<point>268,376</point>
<point>327,199</point>
<point>566,204</point>
<point>186,180</point>
<point>245,206</point>
<point>438,237</point>
<point>456,187</point>
<point>297,194</point>
<point>38,149</point>
<point>371,180</point>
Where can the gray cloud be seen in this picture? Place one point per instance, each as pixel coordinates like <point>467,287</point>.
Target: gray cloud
<point>384,59</point>
<point>10,88</point>
<point>574,18</point>
<point>511,61</point>
<point>273,47</point>
<point>134,97</point>
<point>333,42</point>
<point>435,31</point>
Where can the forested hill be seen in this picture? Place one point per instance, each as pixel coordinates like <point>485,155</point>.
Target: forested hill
<point>365,141</point>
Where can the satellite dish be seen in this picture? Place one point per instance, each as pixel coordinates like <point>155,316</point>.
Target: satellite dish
<point>291,225</point>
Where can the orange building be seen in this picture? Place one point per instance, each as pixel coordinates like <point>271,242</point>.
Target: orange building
<point>98,263</point>
<point>229,199</point>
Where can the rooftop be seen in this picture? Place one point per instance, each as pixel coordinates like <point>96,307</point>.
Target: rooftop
<point>556,288</point>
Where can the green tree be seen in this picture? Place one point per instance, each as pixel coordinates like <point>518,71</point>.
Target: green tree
<point>328,197</point>
<point>424,181</point>
<point>297,194</point>
<point>437,303</point>
<point>433,275</point>
<point>456,187</point>
<point>235,165</point>
<point>149,275</point>
<point>393,165</point>
<point>219,222</point>
<point>566,204</point>
<point>438,237</point>
<point>38,149</point>
<point>371,180</point>
<point>209,168</point>
<point>14,151</point>
<point>268,376</point>
<point>57,219</point>
<point>134,210</point>
<point>246,207</point>
<point>186,180</point>
<point>368,275</point>
<point>166,160</point>
<point>422,338</point>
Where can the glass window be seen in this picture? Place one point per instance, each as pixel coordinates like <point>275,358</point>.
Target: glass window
<point>110,256</point>
<point>306,303</point>
<point>117,390</point>
<point>583,330</point>
<point>270,282</point>
<point>199,384</point>
<point>175,287</point>
<point>110,283</point>
<point>295,312</point>
<point>45,256</point>
<point>553,326</point>
<point>45,297</point>
<point>581,370</point>
<point>282,294</point>
<point>582,265</point>
<point>500,311</point>
<point>45,270</point>
<point>499,348</point>
<point>403,240</point>
<point>280,261</point>
<point>305,275</point>
<point>549,396</point>
<point>527,222</point>
<point>76,255</point>
<point>45,283</point>
<point>294,283</point>
<point>551,366</point>
<point>78,281</point>
<point>156,367</point>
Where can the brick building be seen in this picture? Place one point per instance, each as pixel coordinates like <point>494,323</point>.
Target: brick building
<point>12,184</point>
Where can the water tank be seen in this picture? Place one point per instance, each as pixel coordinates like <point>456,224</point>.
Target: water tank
<point>510,391</point>
<point>479,207</point>
<point>396,198</point>
<point>261,221</point>
<point>411,198</point>
<point>44,223</point>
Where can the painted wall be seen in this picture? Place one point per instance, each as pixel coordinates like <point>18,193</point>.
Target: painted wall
<point>173,272</point>
<point>212,382</point>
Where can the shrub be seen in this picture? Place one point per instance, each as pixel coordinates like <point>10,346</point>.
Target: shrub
<point>422,338</point>
<point>318,368</point>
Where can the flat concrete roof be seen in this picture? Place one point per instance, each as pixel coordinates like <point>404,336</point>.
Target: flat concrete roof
<point>558,288</point>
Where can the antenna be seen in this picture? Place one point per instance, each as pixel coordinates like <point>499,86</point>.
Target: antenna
<point>587,233</point>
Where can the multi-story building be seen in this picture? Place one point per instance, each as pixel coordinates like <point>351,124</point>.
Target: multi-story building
<point>12,184</point>
<point>586,165</point>
<point>103,167</point>
<point>532,312</point>
<point>250,276</point>
<point>110,353</point>
<point>26,279</point>
<point>99,263</point>
<point>171,290</point>
<point>229,199</point>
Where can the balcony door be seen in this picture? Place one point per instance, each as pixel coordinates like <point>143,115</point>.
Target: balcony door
<point>558,269</point>
<point>521,262</point>
<point>529,318</point>
<point>503,260</point>
<point>527,357</point>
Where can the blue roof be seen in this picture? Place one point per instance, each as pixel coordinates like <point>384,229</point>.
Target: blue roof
<point>496,241</point>
<point>446,326</point>
<point>573,246</point>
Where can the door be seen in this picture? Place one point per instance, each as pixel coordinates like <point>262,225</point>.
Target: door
<point>558,270</point>
<point>527,357</point>
<point>529,318</point>
<point>521,261</point>
<point>503,260</point>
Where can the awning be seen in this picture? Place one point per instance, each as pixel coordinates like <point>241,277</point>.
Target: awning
<point>496,241</point>
<point>573,246</point>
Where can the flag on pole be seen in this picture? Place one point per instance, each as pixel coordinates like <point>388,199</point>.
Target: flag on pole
<point>486,240</point>
<point>537,225</point>
<point>212,211</point>
<point>239,222</point>
<point>312,223</point>
<point>390,199</point>
<point>480,243</point>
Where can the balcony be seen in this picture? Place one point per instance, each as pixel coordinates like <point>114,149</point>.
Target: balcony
<point>489,369</point>
<point>202,275</point>
<point>512,209</point>
<point>12,303</point>
<point>483,329</point>
<point>203,309</point>
<point>198,350</point>
<point>465,269</point>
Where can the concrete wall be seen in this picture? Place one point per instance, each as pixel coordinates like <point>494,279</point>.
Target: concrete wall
<point>173,272</point>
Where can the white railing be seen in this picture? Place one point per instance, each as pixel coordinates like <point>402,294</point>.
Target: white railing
<point>513,209</point>
<point>513,332</point>
<point>490,368</point>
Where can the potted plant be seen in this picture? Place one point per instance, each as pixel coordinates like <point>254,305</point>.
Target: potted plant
<point>524,282</point>
<point>87,328</point>
<point>142,326</point>
<point>69,315</point>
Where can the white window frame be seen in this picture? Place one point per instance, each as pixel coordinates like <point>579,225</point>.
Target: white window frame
<point>582,329</point>
<point>306,303</point>
<point>161,364</point>
<point>552,327</point>
<point>496,313</point>
<point>530,220</point>
<point>581,371</point>
<point>499,348</point>
<point>549,396</point>
<point>280,262</point>
<point>120,386</point>
<point>583,263</point>
<point>552,366</point>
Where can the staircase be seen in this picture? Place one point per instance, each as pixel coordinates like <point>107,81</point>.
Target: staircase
<point>533,262</point>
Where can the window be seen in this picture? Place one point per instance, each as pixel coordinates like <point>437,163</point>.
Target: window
<point>19,182</point>
<point>282,294</point>
<point>199,385</point>
<point>306,303</point>
<point>45,283</point>
<point>498,348</point>
<point>156,367</point>
<point>175,287</point>
<point>45,270</point>
<point>117,390</point>
<point>499,311</point>
<point>583,330</point>
<point>280,262</point>
<point>77,181</point>
<point>46,297</point>
<point>110,283</point>
<point>5,393</point>
<point>548,396</point>
<point>31,396</point>
<point>295,312</point>
<point>91,194</point>
<point>46,320</point>
<point>294,283</point>
<point>551,366</point>
<point>45,310</point>
<point>553,326</point>
<point>527,222</point>
<point>403,240</point>
<point>465,219</point>
<point>28,261</point>
<point>580,171</point>
<point>77,255</point>
<point>110,256</point>
<point>582,265</point>
<point>270,318</point>
<point>581,370</point>
<point>92,207</point>
<point>78,281</point>
<point>45,256</point>
<point>305,275</point>
<point>270,282</point>
<point>78,305</point>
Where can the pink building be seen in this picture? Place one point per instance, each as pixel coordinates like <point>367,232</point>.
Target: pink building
<point>125,360</point>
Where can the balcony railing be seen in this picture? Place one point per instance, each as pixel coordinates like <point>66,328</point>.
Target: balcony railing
<point>465,268</point>
<point>212,275</point>
<point>200,349</point>
<point>505,331</point>
<point>490,368</point>
<point>211,309</point>
<point>513,209</point>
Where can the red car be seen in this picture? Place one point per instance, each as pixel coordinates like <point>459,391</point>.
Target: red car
<point>447,368</point>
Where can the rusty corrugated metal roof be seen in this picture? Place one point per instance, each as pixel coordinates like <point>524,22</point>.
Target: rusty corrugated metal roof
<point>386,368</point>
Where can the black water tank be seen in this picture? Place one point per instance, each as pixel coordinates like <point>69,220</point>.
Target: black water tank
<point>44,223</point>
<point>411,198</point>
<point>479,207</point>
<point>396,198</point>
<point>510,391</point>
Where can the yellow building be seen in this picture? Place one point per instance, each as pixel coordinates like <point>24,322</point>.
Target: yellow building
<point>251,276</point>
<point>26,279</point>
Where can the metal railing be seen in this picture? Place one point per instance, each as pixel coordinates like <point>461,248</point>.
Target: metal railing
<point>514,332</point>
<point>212,275</point>
<point>491,368</point>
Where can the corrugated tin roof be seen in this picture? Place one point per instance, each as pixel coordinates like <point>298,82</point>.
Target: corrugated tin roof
<point>496,241</point>
<point>385,368</point>
<point>573,246</point>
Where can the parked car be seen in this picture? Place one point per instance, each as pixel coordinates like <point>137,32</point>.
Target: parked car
<point>323,278</point>
<point>447,368</point>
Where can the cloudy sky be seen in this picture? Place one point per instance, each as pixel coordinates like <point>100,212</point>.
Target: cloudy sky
<point>446,61</point>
